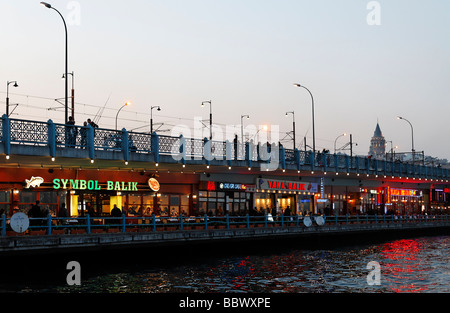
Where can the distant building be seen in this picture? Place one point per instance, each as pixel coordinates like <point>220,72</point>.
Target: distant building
<point>377,144</point>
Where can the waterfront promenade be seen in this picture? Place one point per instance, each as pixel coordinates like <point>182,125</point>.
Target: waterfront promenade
<point>113,236</point>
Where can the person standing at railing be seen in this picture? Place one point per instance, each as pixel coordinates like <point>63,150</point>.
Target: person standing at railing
<point>62,213</point>
<point>83,134</point>
<point>71,132</point>
<point>34,212</point>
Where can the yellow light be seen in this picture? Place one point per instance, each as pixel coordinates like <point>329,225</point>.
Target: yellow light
<point>128,103</point>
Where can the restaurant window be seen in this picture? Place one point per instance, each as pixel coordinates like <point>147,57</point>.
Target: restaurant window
<point>185,205</point>
<point>134,203</point>
<point>164,205</point>
<point>202,209</point>
<point>49,201</point>
<point>174,205</point>
<point>27,197</point>
<point>212,208</point>
<point>148,204</point>
<point>4,202</point>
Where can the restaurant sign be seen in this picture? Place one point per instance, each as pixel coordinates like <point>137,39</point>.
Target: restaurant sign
<point>219,186</point>
<point>80,184</point>
<point>280,185</point>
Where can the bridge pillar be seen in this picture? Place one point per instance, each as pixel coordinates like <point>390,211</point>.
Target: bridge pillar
<point>207,151</point>
<point>90,141</point>
<point>282,157</point>
<point>182,149</point>
<point>249,153</point>
<point>51,131</point>
<point>228,152</point>
<point>297,158</point>
<point>6,130</point>
<point>125,145</point>
<point>155,146</point>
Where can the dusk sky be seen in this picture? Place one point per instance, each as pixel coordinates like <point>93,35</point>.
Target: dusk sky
<point>362,65</point>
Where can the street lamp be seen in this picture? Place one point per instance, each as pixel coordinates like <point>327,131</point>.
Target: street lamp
<point>126,104</point>
<point>293,126</point>
<point>412,136</point>
<point>7,95</point>
<point>47,5</point>
<point>151,116</point>
<point>210,117</point>
<point>73,92</point>
<point>242,126</point>
<point>344,134</point>
<point>314,132</point>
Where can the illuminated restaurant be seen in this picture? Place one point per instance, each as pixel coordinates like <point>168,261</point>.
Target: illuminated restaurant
<point>276,196</point>
<point>143,193</point>
<point>97,191</point>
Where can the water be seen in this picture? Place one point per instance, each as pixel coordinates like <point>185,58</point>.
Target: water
<point>418,265</point>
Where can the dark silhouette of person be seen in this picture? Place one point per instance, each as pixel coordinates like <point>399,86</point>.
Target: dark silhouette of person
<point>287,211</point>
<point>116,212</point>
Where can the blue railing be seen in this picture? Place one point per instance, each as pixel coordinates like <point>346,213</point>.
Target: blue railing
<point>59,137</point>
<point>124,224</point>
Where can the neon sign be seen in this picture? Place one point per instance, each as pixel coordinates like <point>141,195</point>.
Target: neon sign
<point>34,182</point>
<point>153,184</point>
<point>286,185</point>
<point>404,192</point>
<point>232,186</point>
<point>80,184</point>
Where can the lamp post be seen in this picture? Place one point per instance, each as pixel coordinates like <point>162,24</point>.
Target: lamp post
<point>344,134</point>
<point>7,95</point>
<point>47,5</point>
<point>126,104</point>
<point>314,132</point>
<point>210,117</point>
<point>151,116</point>
<point>73,92</point>
<point>412,136</point>
<point>242,126</point>
<point>293,126</point>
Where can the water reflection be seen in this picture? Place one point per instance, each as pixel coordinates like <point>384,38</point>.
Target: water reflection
<point>416,265</point>
<point>412,265</point>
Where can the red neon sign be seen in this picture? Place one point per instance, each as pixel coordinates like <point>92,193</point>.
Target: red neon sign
<point>211,186</point>
<point>287,185</point>
<point>402,192</point>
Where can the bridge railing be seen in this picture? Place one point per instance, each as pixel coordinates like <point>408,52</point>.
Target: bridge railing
<point>123,224</point>
<point>60,136</point>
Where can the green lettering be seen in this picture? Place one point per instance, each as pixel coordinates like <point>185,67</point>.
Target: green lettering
<point>110,185</point>
<point>56,184</point>
<point>134,184</point>
<point>74,183</point>
<point>117,186</point>
<point>97,186</point>
<point>90,185</point>
<point>82,184</point>
<point>123,186</point>
<point>64,181</point>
